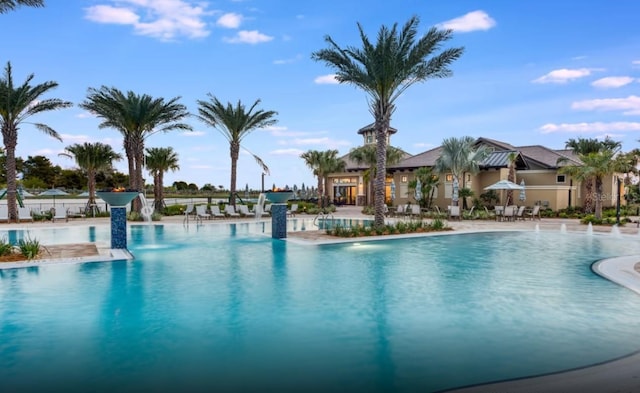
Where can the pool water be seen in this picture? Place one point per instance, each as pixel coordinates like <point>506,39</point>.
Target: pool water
<point>227,308</point>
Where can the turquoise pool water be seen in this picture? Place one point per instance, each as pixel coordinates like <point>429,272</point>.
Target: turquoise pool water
<point>226,308</point>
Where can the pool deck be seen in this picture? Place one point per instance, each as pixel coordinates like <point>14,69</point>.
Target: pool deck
<point>620,375</point>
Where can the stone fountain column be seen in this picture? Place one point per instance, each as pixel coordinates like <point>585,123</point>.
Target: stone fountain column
<point>118,202</point>
<point>278,201</point>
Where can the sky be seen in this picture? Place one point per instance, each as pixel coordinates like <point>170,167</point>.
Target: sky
<point>534,72</point>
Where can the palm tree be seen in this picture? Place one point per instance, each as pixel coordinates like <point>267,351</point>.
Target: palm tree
<point>459,156</point>
<point>17,104</point>
<point>583,147</point>
<point>428,181</point>
<point>92,157</point>
<point>235,123</point>
<point>511,176</point>
<point>384,70</point>
<point>323,163</point>
<point>10,5</point>
<point>595,166</point>
<point>136,117</point>
<point>366,155</point>
<point>159,161</point>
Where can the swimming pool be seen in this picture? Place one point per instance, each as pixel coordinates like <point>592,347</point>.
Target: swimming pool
<point>227,308</point>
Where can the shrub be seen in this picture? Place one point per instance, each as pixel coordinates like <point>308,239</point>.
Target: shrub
<point>28,247</point>
<point>437,224</point>
<point>174,210</point>
<point>6,248</point>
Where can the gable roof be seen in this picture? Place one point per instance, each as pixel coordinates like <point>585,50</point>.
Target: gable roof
<point>548,158</point>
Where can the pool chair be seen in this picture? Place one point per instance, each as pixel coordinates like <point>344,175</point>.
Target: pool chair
<point>454,212</point>
<point>4,213</point>
<point>201,212</point>
<point>59,214</point>
<point>520,213</point>
<point>230,211</point>
<point>243,210</point>
<point>267,209</point>
<point>534,213</point>
<point>215,212</point>
<point>24,214</point>
<point>293,211</point>
<point>188,211</point>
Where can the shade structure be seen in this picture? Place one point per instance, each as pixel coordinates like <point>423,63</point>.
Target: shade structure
<point>523,193</point>
<point>23,193</point>
<point>418,190</point>
<point>83,194</point>
<point>393,190</point>
<point>53,192</point>
<point>454,192</point>
<point>504,185</point>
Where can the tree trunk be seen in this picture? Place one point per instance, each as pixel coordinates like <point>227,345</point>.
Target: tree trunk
<point>381,127</point>
<point>588,199</point>
<point>91,185</point>
<point>320,190</point>
<point>598,182</point>
<point>158,192</point>
<point>234,151</point>
<point>10,141</point>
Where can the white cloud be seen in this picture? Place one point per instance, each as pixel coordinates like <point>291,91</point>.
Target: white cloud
<point>165,20</point>
<point>288,61</point>
<point>423,145</point>
<point>629,105</point>
<point>636,62</point>
<point>324,141</point>
<point>610,136</point>
<point>578,57</point>
<point>476,20</point>
<point>612,82</point>
<point>69,138</point>
<point>193,133</point>
<point>85,115</point>
<point>46,152</point>
<point>564,75</point>
<point>287,152</point>
<point>590,127</point>
<point>326,80</point>
<point>248,37</point>
<point>230,20</point>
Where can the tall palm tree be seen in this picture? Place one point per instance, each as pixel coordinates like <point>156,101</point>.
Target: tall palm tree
<point>459,156</point>
<point>366,155</point>
<point>595,166</point>
<point>583,147</point>
<point>136,117</point>
<point>159,161</point>
<point>10,5</point>
<point>511,176</point>
<point>235,123</point>
<point>17,104</point>
<point>323,163</point>
<point>92,157</point>
<point>384,70</point>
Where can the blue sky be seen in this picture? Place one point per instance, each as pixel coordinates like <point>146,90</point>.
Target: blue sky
<point>533,72</point>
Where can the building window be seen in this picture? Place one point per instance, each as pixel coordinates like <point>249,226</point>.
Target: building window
<point>403,179</point>
<point>449,177</point>
<point>560,179</point>
<point>369,139</point>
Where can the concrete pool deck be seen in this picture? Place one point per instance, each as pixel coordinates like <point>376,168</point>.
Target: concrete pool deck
<point>620,375</point>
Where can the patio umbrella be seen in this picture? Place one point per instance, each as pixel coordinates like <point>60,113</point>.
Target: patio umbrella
<point>523,193</point>
<point>454,193</point>
<point>504,185</point>
<point>83,194</point>
<point>54,192</point>
<point>418,190</point>
<point>393,190</point>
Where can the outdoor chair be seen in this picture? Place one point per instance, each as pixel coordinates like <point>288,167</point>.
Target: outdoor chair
<point>4,213</point>
<point>59,214</point>
<point>293,211</point>
<point>243,210</point>
<point>201,212</point>
<point>215,212</point>
<point>415,211</point>
<point>534,213</point>
<point>509,213</point>
<point>399,211</point>
<point>454,212</point>
<point>230,211</point>
<point>520,213</point>
<point>188,211</point>
<point>267,209</point>
<point>24,214</point>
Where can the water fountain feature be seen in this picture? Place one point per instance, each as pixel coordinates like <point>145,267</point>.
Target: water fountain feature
<point>590,229</point>
<point>118,200</point>
<point>615,231</point>
<point>278,201</point>
<point>537,229</point>
<point>146,210</point>
<point>563,228</point>
<point>259,206</point>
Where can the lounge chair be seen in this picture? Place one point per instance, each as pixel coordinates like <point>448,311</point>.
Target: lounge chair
<point>293,211</point>
<point>201,212</point>
<point>243,210</point>
<point>59,214</point>
<point>24,214</point>
<point>534,213</point>
<point>520,213</point>
<point>230,211</point>
<point>215,212</point>
<point>188,211</point>
<point>454,212</point>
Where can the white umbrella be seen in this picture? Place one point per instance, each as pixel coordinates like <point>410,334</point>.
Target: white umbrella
<point>504,185</point>
<point>418,190</point>
<point>393,190</point>
<point>454,194</point>
<point>523,193</point>
<point>54,192</point>
<point>83,194</point>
